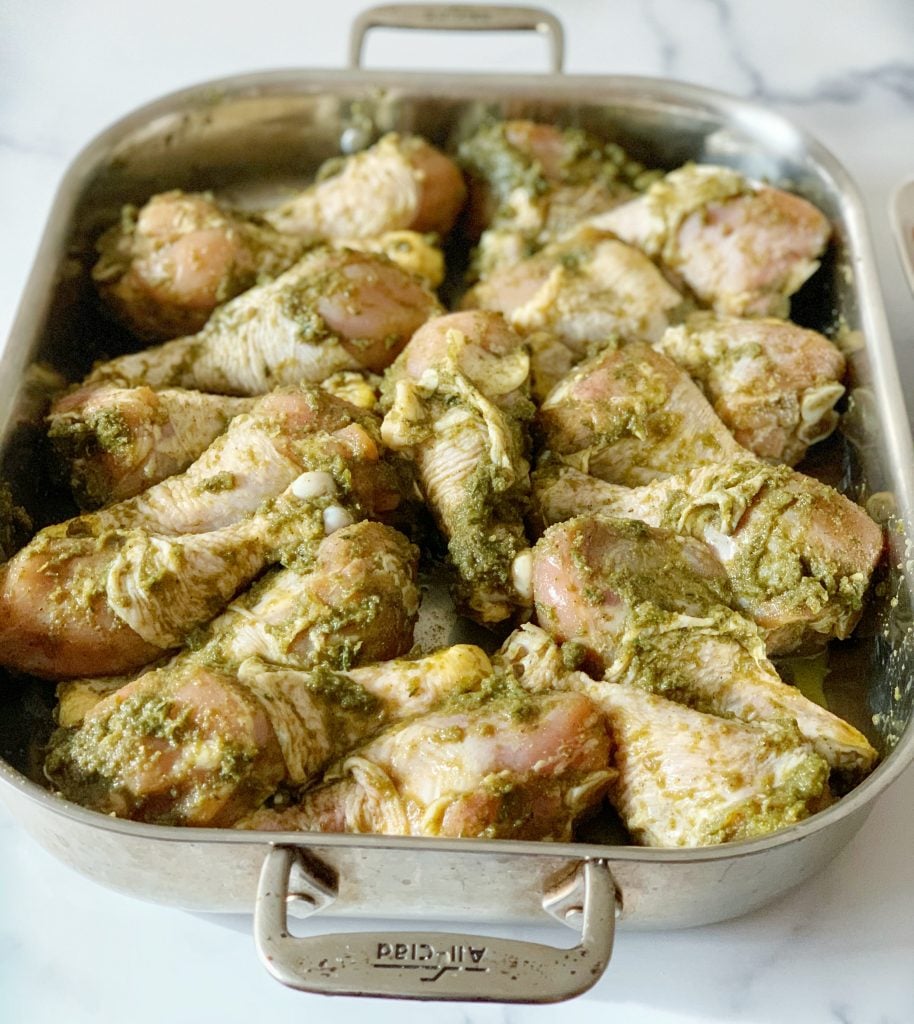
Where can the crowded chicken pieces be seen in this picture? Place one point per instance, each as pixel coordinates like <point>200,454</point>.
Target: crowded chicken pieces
<point>595,447</point>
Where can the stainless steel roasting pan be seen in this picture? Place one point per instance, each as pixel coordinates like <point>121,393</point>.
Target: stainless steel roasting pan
<point>249,136</point>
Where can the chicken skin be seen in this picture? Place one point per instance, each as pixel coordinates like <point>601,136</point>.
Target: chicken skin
<point>799,555</point>
<point>584,293</point>
<point>117,442</point>
<point>200,744</point>
<point>773,384</point>
<point>401,182</point>
<point>114,443</point>
<point>331,311</point>
<point>742,249</point>
<point>165,267</point>
<point>647,608</point>
<point>457,398</point>
<point>112,590</point>
<point>530,183</point>
<point>522,767</point>
<point>631,416</point>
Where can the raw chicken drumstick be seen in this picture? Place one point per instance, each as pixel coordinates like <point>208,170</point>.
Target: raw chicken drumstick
<point>687,778</point>
<point>772,383</point>
<point>112,590</point>
<point>521,766</point>
<point>355,605</point>
<point>400,182</point>
<point>532,182</point>
<point>741,248</point>
<point>644,607</point>
<point>200,744</point>
<point>578,296</point>
<point>683,776</point>
<point>190,742</point>
<point>331,311</point>
<point>632,416</point>
<point>457,398</point>
<point>799,555</point>
<point>164,268</point>
<point>114,443</point>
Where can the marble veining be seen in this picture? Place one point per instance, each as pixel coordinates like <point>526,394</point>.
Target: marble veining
<point>838,951</point>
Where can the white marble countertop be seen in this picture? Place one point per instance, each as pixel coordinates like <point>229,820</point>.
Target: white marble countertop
<point>841,949</point>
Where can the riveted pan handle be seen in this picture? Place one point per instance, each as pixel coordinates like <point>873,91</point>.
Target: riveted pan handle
<point>430,965</point>
<point>459,18</point>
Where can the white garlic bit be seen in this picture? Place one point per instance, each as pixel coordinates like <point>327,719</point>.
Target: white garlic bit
<point>315,484</point>
<point>335,518</point>
<point>522,574</point>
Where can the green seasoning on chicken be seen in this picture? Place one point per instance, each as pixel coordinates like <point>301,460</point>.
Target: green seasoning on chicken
<point>111,590</point>
<point>15,524</point>
<point>195,744</point>
<point>773,384</point>
<point>333,310</point>
<point>164,268</point>
<point>584,293</point>
<point>631,416</point>
<point>531,183</point>
<point>400,182</point>
<point>650,609</point>
<point>798,554</point>
<point>457,399</point>
<point>525,767</point>
<point>741,248</point>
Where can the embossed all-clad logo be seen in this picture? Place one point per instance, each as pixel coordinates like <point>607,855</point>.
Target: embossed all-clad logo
<point>433,963</point>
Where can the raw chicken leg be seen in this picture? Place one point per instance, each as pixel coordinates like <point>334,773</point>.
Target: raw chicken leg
<point>647,608</point>
<point>742,248</point>
<point>331,311</point>
<point>631,416</point>
<point>111,590</point>
<point>457,399</point>
<point>400,182</point>
<point>685,778</point>
<point>773,384</point>
<point>117,442</point>
<point>799,555</point>
<point>523,768</point>
<point>195,744</point>
<point>164,268</point>
<point>583,294</point>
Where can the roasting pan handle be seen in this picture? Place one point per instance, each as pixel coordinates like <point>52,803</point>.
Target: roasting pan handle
<point>430,965</point>
<point>459,18</point>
